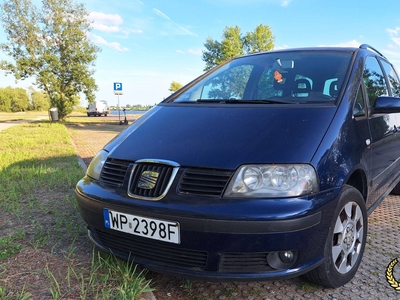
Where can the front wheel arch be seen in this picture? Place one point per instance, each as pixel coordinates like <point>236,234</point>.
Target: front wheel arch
<point>345,243</point>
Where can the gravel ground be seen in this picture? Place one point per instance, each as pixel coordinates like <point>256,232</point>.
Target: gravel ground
<point>370,282</point>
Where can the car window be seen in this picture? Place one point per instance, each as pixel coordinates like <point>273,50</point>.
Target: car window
<point>393,78</point>
<point>284,77</point>
<point>359,105</point>
<point>229,84</point>
<point>374,80</point>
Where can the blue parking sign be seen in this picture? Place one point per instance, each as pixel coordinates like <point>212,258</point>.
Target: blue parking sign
<point>117,88</point>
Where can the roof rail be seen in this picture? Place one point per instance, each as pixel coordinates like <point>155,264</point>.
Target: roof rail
<point>366,46</point>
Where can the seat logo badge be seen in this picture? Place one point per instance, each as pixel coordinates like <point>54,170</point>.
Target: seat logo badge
<point>147,180</point>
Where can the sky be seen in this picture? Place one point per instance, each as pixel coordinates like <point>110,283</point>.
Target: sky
<point>147,44</point>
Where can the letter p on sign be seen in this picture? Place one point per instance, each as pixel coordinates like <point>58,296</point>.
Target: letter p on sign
<point>117,88</point>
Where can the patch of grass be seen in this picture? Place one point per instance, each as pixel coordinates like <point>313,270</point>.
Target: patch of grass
<point>11,239</point>
<point>108,278</point>
<point>36,156</point>
<point>38,173</point>
<point>308,287</point>
<point>74,120</point>
<point>7,117</point>
<point>5,295</point>
<point>230,293</point>
<point>9,246</point>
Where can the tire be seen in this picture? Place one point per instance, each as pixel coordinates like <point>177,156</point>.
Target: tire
<point>345,243</point>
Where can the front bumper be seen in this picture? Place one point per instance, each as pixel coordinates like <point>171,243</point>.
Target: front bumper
<point>216,247</point>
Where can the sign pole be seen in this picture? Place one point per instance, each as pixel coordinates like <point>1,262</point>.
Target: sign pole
<point>119,111</point>
<point>118,91</point>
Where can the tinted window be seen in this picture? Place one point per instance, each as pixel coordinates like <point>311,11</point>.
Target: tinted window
<point>374,80</point>
<point>393,79</point>
<point>229,84</point>
<point>359,106</point>
<point>294,77</point>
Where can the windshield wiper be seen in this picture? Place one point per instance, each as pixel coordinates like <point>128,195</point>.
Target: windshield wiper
<point>266,101</point>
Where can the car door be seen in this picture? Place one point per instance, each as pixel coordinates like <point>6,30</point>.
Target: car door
<point>385,143</point>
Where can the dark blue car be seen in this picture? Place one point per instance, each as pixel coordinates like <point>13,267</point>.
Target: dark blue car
<point>265,167</point>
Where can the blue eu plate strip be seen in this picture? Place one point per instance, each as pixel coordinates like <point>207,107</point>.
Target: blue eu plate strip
<point>106,218</point>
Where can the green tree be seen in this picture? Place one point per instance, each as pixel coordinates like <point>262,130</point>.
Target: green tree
<point>174,86</point>
<point>20,100</point>
<point>51,45</point>
<point>234,44</point>
<point>261,39</point>
<point>39,100</point>
<point>6,95</point>
<point>13,99</point>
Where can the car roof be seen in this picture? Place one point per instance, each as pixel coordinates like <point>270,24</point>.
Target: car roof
<point>362,47</point>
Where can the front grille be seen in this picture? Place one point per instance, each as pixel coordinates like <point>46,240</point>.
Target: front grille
<point>244,262</point>
<point>204,182</point>
<point>153,251</point>
<point>114,171</point>
<point>156,186</point>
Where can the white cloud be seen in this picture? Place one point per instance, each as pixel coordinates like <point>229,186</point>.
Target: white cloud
<point>135,30</point>
<point>113,45</point>
<point>285,46</point>
<point>197,52</point>
<point>97,39</point>
<point>164,16</point>
<point>396,40</point>
<point>105,28</point>
<point>283,3</point>
<point>392,53</point>
<point>393,32</point>
<point>161,14</point>
<point>105,22</point>
<point>352,43</point>
<point>128,31</point>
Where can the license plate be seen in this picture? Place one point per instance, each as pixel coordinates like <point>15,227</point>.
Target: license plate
<point>142,226</point>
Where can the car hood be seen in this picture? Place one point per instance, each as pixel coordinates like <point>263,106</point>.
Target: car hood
<point>224,136</point>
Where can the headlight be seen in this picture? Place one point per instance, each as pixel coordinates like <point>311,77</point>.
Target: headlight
<point>96,164</point>
<point>256,181</point>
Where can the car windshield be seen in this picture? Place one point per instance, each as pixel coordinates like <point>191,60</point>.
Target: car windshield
<point>274,77</point>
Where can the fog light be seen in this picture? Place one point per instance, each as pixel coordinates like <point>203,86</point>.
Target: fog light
<point>282,260</point>
<point>287,256</point>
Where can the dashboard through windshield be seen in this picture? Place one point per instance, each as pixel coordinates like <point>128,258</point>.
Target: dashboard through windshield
<point>285,77</point>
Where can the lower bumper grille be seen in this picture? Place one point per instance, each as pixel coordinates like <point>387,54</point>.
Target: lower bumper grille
<point>244,263</point>
<point>154,251</point>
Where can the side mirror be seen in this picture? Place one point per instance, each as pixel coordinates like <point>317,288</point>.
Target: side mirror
<point>387,105</point>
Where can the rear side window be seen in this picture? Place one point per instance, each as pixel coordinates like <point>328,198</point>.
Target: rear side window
<point>374,80</point>
<point>393,79</point>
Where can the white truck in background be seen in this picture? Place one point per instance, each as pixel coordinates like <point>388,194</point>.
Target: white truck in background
<point>98,108</point>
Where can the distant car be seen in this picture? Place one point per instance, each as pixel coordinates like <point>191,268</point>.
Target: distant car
<point>98,108</point>
<point>264,168</point>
